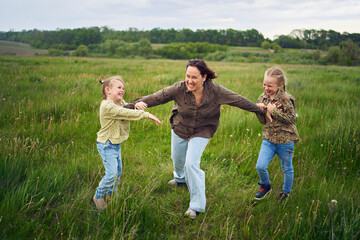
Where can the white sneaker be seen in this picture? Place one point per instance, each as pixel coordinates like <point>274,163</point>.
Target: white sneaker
<point>173,183</point>
<point>99,203</point>
<point>191,213</point>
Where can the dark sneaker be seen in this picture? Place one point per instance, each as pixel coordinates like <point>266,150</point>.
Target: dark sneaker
<point>263,191</point>
<point>282,196</point>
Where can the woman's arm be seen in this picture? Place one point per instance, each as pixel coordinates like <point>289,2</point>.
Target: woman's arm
<point>231,98</point>
<point>160,97</point>
<point>262,118</point>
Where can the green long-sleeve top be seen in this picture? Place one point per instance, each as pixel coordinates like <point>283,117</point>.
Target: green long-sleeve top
<point>115,121</point>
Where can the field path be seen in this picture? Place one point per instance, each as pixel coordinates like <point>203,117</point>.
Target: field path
<point>18,49</point>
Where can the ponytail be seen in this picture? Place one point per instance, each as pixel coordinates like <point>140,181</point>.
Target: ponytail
<point>108,83</point>
<point>203,68</point>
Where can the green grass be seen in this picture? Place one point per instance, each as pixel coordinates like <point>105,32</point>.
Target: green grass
<point>50,167</point>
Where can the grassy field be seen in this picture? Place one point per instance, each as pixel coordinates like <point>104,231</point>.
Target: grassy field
<point>50,167</point>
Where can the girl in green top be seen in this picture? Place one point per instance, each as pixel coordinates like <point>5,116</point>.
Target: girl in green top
<point>115,127</point>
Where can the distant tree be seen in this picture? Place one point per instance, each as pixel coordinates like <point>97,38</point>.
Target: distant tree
<point>287,42</point>
<point>316,55</point>
<point>81,51</point>
<point>333,55</point>
<point>144,47</point>
<point>266,44</point>
<point>276,47</point>
<point>252,37</point>
<point>349,53</point>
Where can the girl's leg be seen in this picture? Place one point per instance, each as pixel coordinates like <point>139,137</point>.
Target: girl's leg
<point>194,176</point>
<point>267,152</point>
<point>119,171</point>
<point>109,154</point>
<point>285,152</point>
<point>178,155</point>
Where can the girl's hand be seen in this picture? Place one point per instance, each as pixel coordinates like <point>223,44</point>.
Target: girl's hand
<point>261,106</point>
<point>141,106</point>
<point>155,119</point>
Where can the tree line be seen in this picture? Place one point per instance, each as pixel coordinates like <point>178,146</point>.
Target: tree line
<point>70,39</point>
<point>341,48</point>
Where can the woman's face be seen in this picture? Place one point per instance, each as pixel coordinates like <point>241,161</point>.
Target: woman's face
<point>194,80</point>
<point>116,91</point>
<point>271,86</point>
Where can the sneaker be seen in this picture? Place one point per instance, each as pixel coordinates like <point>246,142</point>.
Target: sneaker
<point>191,213</point>
<point>173,183</point>
<point>99,203</point>
<point>282,196</point>
<point>263,191</point>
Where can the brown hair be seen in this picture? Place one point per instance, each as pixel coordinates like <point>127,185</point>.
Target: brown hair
<point>278,74</point>
<point>108,82</point>
<point>203,68</point>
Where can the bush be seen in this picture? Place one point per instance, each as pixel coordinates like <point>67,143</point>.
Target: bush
<point>333,55</point>
<point>81,51</point>
<point>266,44</point>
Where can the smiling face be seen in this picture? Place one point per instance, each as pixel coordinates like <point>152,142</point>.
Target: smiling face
<point>115,91</point>
<point>271,86</point>
<point>194,80</point>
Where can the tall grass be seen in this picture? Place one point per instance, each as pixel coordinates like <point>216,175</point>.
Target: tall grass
<point>50,167</point>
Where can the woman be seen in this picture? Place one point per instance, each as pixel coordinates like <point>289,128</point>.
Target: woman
<point>194,121</point>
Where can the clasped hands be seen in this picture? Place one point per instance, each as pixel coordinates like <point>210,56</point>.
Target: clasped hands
<point>141,106</point>
<point>269,108</point>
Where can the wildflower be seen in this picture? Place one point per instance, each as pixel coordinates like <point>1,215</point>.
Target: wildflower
<point>322,145</point>
<point>259,134</point>
<point>334,202</point>
<point>231,136</point>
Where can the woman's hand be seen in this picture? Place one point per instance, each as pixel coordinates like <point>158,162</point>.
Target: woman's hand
<point>155,119</point>
<point>261,106</point>
<point>270,107</point>
<point>141,106</point>
<point>268,115</point>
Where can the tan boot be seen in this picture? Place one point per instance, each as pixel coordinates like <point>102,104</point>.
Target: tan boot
<point>99,203</point>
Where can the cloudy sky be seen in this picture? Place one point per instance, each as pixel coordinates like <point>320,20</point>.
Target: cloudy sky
<point>269,17</point>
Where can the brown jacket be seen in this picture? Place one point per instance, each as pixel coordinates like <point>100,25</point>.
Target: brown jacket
<point>189,120</point>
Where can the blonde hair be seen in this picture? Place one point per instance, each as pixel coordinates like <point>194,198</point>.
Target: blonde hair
<point>108,83</point>
<point>278,74</point>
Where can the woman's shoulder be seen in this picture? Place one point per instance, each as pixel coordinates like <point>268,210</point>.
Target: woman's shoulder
<point>216,87</point>
<point>179,85</point>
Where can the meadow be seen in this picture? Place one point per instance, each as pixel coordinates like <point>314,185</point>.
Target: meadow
<point>50,166</point>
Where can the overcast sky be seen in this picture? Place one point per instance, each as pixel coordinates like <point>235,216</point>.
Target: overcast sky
<point>269,17</point>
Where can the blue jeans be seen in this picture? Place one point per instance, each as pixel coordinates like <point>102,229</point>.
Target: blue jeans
<point>111,156</point>
<point>186,157</point>
<point>285,153</point>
